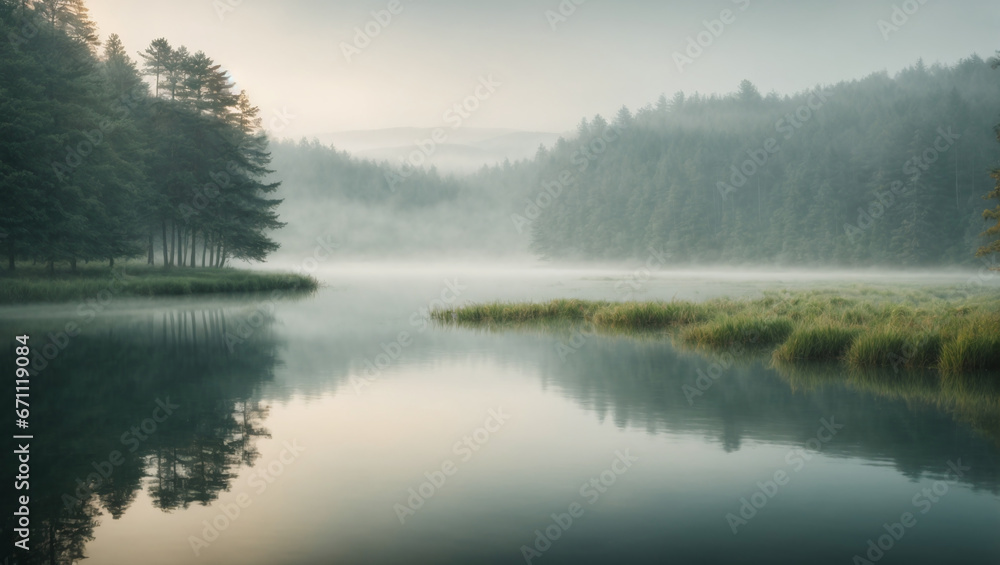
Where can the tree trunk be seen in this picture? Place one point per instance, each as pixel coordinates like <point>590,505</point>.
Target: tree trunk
<point>52,267</point>
<point>211,253</point>
<point>204,248</point>
<point>111,262</point>
<point>194,248</point>
<point>173,242</point>
<point>72,264</point>
<point>181,247</point>
<point>166,263</point>
<point>150,256</point>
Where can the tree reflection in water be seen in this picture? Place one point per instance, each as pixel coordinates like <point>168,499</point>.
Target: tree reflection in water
<point>94,398</point>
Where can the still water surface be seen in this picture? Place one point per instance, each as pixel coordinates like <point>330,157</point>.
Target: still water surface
<point>293,432</point>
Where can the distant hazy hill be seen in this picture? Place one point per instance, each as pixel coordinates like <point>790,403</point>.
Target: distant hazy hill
<point>884,170</point>
<point>465,149</point>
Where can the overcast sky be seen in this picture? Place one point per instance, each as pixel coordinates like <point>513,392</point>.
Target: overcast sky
<point>289,56</point>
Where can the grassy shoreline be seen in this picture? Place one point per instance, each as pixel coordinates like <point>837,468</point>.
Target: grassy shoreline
<point>941,329</point>
<point>35,285</point>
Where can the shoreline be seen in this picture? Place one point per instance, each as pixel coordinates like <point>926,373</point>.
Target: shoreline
<point>946,330</point>
<point>34,285</point>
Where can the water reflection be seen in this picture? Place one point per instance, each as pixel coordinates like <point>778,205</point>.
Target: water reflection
<point>164,400</point>
<point>916,421</point>
<point>222,364</point>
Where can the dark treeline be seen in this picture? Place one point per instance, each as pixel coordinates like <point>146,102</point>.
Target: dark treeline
<point>884,170</point>
<point>98,163</point>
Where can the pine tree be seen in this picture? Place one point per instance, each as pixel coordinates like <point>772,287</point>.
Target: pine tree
<point>72,18</point>
<point>23,138</point>
<point>120,71</point>
<point>994,231</point>
<point>157,60</point>
<point>992,215</point>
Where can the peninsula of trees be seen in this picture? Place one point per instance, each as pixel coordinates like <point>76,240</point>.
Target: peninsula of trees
<point>98,164</point>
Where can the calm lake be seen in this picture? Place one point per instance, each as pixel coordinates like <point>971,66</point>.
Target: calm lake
<point>345,427</point>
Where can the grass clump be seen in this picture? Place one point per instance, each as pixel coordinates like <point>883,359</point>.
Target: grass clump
<point>895,347</point>
<point>971,351</point>
<point>827,343</point>
<point>741,330</point>
<point>517,313</point>
<point>649,315</point>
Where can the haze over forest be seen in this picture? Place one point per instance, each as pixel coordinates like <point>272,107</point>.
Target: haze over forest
<point>868,144</point>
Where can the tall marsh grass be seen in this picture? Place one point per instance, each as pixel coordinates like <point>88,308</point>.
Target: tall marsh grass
<point>824,343</point>
<point>943,329</point>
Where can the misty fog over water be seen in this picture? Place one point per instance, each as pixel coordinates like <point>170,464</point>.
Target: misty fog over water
<point>303,376</point>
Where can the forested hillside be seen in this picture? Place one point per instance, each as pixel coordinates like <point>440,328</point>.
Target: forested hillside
<point>382,210</point>
<point>884,170</point>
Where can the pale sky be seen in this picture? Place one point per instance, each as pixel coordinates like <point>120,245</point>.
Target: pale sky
<point>432,54</point>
